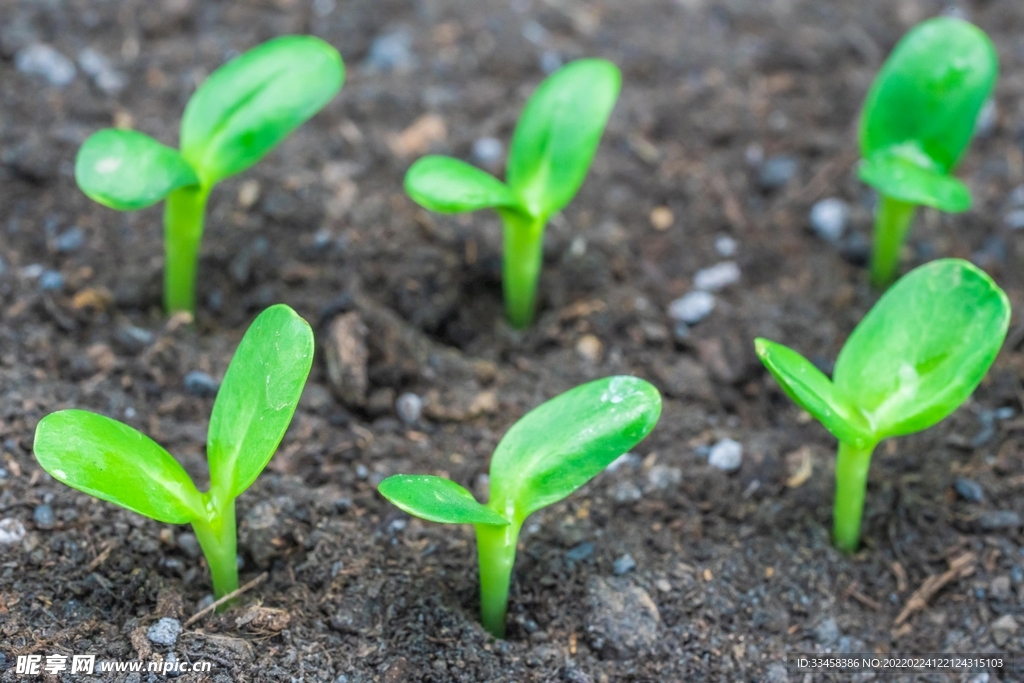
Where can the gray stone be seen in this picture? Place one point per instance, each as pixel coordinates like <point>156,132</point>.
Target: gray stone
<point>624,564</point>
<point>12,531</point>
<point>986,121</point>
<point>101,71</point>
<point>391,52</point>
<point>663,477</point>
<point>488,152</point>
<point>622,619</point>
<point>42,60</point>
<point>692,307</point>
<point>51,280</point>
<point>70,240</point>
<point>1000,519</point>
<point>1000,587</point>
<point>199,383</point>
<point>43,516</point>
<point>777,171</point>
<point>969,490</point>
<point>627,492</point>
<point>829,218</point>
<point>408,406</point>
<point>717,277</point>
<point>1002,629</point>
<point>827,631</point>
<point>1014,220</point>
<point>132,339</point>
<point>190,544</point>
<point>164,632</point>
<point>579,553</point>
<point>726,455</point>
<point>726,246</point>
<point>776,673</point>
<point>346,354</point>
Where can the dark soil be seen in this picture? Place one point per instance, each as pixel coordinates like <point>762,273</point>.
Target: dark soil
<point>732,571</point>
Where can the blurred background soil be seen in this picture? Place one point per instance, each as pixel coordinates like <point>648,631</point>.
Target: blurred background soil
<point>736,120</point>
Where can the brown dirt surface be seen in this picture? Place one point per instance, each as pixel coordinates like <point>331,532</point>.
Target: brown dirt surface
<point>732,571</point>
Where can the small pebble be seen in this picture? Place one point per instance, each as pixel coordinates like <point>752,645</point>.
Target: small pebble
<point>361,471</point>
<point>550,61</point>
<point>164,632</point>
<point>133,339</point>
<point>590,348</point>
<point>726,455</point>
<point>391,52</point>
<point>11,531</point>
<point>827,631</point>
<point>199,383</point>
<point>1016,196</point>
<point>51,280</point>
<point>102,72</point>
<point>32,271</point>
<point>623,564</point>
<point>829,218</point>
<point>663,477</point>
<point>627,492</point>
<point>969,490</point>
<point>43,516</point>
<point>1017,574</point>
<point>662,218</point>
<point>488,152</point>
<point>42,60</point>
<point>70,240</point>
<point>1002,628</point>
<point>718,276</point>
<point>1014,220</point>
<point>1000,519</point>
<point>726,246</point>
<point>579,553</point>
<point>777,171</point>
<point>409,406</point>
<point>776,673</point>
<point>190,544</point>
<point>986,121</point>
<point>692,307</point>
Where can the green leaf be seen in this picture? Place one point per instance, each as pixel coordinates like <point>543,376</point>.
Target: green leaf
<point>563,443</point>
<point>924,347</point>
<point>558,133</point>
<point>930,90</point>
<point>437,500</point>
<point>904,172</point>
<point>254,101</point>
<point>110,460</point>
<point>814,392</point>
<point>127,170</point>
<point>447,185</point>
<point>257,398</point>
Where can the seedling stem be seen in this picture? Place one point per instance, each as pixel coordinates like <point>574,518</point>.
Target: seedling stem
<point>218,540</point>
<point>522,258</point>
<point>183,233</point>
<point>892,222</point>
<point>851,485</point>
<point>496,548</point>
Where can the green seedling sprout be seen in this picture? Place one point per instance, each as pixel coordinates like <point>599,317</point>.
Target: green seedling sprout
<point>917,121</point>
<point>549,453</point>
<point>913,359</point>
<point>112,461</point>
<point>241,112</point>
<point>552,147</point>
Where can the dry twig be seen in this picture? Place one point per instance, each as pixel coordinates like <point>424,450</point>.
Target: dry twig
<point>230,596</point>
<point>959,567</point>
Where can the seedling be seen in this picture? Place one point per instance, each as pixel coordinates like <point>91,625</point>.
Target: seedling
<point>917,121</point>
<point>112,461</point>
<point>913,359</point>
<point>549,453</point>
<point>241,112</point>
<point>552,147</point>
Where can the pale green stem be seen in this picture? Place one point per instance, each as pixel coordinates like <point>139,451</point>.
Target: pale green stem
<point>892,221</point>
<point>521,263</point>
<point>183,233</point>
<point>851,484</point>
<point>218,539</point>
<point>496,549</point>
